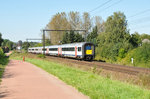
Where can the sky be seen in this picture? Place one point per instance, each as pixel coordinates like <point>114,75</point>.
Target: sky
<point>22,19</point>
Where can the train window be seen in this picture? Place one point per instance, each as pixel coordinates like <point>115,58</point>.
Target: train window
<point>36,49</point>
<point>43,49</point>
<point>88,47</point>
<point>53,49</point>
<point>79,49</point>
<point>32,49</point>
<point>68,49</point>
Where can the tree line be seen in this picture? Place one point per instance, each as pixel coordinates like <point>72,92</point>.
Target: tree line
<point>72,21</point>
<point>112,37</point>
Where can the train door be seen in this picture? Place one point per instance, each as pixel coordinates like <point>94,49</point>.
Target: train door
<point>59,51</point>
<point>47,51</point>
<point>75,51</point>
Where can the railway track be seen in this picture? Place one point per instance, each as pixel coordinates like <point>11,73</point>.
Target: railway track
<point>111,67</point>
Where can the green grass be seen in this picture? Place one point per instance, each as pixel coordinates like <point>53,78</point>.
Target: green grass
<point>92,85</point>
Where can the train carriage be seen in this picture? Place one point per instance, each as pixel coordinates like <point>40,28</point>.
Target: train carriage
<point>81,50</point>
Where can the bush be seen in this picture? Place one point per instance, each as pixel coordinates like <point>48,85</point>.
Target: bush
<point>1,53</point>
<point>141,56</point>
<point>122,53</point>
<point>41,56</point>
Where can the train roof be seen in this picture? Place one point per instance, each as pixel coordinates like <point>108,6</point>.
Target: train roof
<point>64,45</point>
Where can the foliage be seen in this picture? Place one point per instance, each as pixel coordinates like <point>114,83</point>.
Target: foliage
<point>135,39</point>
<point>1,40</point>
<point>41,56</point>
<point>70,21</point>
<point>1,53</point>
<point>72,37</point>
<point>3,61</point>
<point>142,55</point>
<point>58,22</point>
<point>99,22</point>
<point>92,37</point>
<point>115,37</point>
<point>145,36</point>
<point>122,53</point>
<point>86,23</point>
<point>7,43</point>
<point>38,45</point>
<point>25,45</point>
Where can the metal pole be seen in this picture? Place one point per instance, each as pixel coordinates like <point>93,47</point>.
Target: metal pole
<point>44,42</point>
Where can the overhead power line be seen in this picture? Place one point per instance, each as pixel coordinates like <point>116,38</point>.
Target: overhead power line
<point>100,6</point>
<point>110,6</point>
<point>142,12</point>
<point>141,20</point>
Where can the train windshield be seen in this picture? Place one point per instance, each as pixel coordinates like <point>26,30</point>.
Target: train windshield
<point>88,47</point>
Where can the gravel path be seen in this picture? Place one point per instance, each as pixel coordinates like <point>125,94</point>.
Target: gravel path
<point>23,80</point>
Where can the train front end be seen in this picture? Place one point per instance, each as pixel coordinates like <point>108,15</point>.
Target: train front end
<point>89,51</point>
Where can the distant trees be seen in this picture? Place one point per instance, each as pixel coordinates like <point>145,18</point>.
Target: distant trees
<point>7,43</point>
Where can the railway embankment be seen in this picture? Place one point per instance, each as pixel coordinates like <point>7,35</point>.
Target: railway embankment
<point>92,81</point>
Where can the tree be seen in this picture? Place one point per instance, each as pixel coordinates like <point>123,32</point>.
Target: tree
<point>25,45</point>
<point>92,37</point>
<point>74,20</point>
<point>66,38</point>
<point>72,37</point>
<point>99,22</point>
<point>86,23</point>
<point>135,39</point>
<point>7,43</point>
<point>145,36</point>
<point>1,40</point>
<point>79,38</point>
<point>58,22</point>
<point>115,37</point>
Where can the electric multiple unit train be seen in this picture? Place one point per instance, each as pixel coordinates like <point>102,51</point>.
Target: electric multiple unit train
<point>83,50</point>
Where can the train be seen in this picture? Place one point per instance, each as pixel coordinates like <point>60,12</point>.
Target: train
<point>82,50</point>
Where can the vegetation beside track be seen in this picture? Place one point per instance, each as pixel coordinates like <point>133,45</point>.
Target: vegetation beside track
<point>3,61</point>
<point>92,85</point>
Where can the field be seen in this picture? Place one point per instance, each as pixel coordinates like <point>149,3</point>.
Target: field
<point>90,84</point>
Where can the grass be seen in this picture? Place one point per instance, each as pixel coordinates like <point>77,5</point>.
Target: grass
<point>90,84</point>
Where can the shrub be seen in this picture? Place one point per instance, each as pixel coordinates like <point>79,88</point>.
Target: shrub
<point>41,56</point>
<point>1,53</point>
<point>122,53</point>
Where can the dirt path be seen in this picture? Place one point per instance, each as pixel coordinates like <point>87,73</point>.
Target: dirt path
<point>23,80</point>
